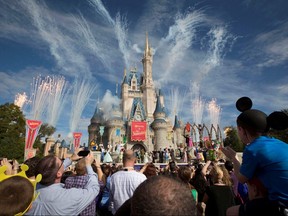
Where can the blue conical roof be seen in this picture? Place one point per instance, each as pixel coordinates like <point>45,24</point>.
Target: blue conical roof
<point>158,108</point>
<point>176,123</point>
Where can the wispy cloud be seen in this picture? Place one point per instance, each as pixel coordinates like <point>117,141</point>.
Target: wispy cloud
<point>20,81</point>
<point>189,44</point>
<point>87,38</point>
<point>180,37</point>
<point>66,54</point>
<point>120,28</point>
<point>274,45</point>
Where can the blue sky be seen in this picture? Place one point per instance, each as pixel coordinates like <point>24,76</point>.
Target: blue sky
<point>229,49</point>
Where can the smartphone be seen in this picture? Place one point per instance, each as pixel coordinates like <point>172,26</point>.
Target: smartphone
<point>83,153</point>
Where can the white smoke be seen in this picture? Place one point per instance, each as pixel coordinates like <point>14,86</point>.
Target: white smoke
<point>107,104</point>
<point>82,92</point>
<point>180,38</point>
<point>119,25</point>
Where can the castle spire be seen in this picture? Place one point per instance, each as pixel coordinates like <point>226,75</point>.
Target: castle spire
<point>146,44</point>
<point>116,92</point>
<point>125,81</point>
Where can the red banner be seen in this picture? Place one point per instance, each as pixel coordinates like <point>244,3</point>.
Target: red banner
<point>32,128</point>
<point>138,131</point>
<point>77,137</point>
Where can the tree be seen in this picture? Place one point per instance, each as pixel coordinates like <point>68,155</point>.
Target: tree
<point>232,139</point>
<point>12,132</point>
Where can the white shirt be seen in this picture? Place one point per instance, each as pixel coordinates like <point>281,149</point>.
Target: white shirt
<point>122,186</point>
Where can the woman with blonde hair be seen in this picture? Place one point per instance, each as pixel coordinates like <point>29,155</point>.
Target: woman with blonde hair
<point>219,196</point>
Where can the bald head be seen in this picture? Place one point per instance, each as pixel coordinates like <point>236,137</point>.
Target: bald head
<point>162,195</point>
<point>129,157</point>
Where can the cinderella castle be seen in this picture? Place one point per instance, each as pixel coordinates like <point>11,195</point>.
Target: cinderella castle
<point>139,121</point>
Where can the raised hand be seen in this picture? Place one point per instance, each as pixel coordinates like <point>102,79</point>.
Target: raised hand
<point>229,152</point>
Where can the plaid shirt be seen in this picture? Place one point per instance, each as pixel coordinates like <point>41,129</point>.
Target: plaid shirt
<point>80,182</point>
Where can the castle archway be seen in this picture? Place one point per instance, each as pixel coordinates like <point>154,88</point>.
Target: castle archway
<point>138,146</point>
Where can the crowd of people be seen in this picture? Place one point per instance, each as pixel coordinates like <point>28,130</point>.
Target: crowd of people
<point>257,186</point>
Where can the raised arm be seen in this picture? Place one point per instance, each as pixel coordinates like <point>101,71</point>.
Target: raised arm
<point>231,154</point>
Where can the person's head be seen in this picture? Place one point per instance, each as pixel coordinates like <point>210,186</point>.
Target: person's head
<point>106,169</point>
<point>229,166</point>
<point>80,167</point>
<point>129,158</point>
<point>216,174</point>
<point>226,175</point>
<point>185,174</point>
<point>31,163</point>
<point>51,168</point>
<point>173,167</point>
<point>65,175</point>
<point>256,189</point>
<point>252,123</point>
<point>150,170</point>
<point>162,195</point>
<point>16,194</point>
<point>256,122</point>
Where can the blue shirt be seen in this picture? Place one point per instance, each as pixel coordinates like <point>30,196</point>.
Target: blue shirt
<point>267,159</point>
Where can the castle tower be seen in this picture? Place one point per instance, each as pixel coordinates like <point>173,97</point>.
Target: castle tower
<point>178,137</point>
<point>93,128</point>
<point>160,127</point>
<point>49,142</point>
<point>116,128</point>
<point>124,95</point>
<point>147,87</point>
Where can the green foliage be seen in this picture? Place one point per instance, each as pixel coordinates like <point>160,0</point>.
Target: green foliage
<point>12,132</point>
<point>232,139</point>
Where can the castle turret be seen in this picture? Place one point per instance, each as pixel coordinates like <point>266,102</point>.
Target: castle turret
<point>147,82</point>
<point>93,128</point>
<point>178,137</point>
<point>116,127</point>
<point>159,126</point>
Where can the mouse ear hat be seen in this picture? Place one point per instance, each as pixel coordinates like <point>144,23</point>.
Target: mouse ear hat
<point>251,118</point>
<point>278,120</point>
<point>257,119</point>
<point>243,104</point>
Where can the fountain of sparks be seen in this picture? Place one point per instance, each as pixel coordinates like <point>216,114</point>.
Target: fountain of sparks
<point>197,104</point>
<point>81,95</point>
<point>214,112</point>
<point>176,101</point>
<point>20,100</point>
<point>199,132</point>
<point>58,88</point>
<point>40,91</point>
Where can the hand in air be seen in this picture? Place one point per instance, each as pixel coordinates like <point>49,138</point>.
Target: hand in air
<point>229,152</point>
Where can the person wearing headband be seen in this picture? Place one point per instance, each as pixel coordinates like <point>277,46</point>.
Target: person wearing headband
<point>17,192</point>
<point>264,157</point>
